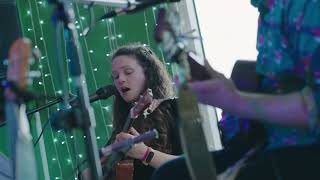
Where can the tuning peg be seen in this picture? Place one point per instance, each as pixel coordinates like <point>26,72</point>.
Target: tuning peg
<point>34,74</point>
<point>188,35</point>
<point>150,92</point>
<point>36,53</point>
<point>190,31</point>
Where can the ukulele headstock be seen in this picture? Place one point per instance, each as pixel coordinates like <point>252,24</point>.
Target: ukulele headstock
<point>142,104</point>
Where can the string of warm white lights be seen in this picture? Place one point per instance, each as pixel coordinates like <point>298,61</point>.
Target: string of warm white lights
<point>59,145</point>
<point>89,52</point>
<point>54,88</point>
<point>48,76</point>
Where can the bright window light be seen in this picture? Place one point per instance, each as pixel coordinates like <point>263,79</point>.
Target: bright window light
<point>229,30</point>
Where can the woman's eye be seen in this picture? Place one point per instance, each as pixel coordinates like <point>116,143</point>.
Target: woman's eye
<point>115,76</point>
<point>128,71</point>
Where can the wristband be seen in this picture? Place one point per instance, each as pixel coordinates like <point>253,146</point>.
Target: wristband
<point>145,154</point>
<point>148,158</point>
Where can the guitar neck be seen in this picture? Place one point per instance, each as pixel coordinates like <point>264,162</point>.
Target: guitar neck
<point>197,71</point>
<point>191,66</point>
<point>117,156</point>
<point>20,138</point>
<point>124,145</point>
<point>141,105</point>
<point>127,124</point>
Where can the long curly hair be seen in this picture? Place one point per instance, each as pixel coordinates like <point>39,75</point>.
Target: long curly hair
<point>158,80</point>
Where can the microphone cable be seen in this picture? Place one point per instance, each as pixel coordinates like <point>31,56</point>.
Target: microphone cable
<point>41,133</point>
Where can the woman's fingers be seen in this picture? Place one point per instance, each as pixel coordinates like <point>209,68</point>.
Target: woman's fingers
<point>123,136</point>
<point>133,131</point>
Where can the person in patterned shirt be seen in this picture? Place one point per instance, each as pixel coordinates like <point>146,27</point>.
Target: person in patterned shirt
<point>288,62</point>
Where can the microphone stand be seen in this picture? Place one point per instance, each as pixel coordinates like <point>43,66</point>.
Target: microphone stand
<point>101,93</point>
<point>64,13</point>
<point>130,7</point>
<point>51,103</point>
<point>110,3</point>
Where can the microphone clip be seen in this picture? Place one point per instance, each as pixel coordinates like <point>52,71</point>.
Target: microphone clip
<point>67,120</point>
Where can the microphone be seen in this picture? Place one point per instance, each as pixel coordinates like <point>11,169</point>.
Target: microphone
<point>102,93</point>
<point>135,8</point>
<point>65,119</point>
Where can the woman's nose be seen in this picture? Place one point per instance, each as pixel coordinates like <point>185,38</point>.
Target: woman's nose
<point>121,79</point>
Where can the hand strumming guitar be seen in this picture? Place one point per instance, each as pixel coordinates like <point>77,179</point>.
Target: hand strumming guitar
<point>216,92</point>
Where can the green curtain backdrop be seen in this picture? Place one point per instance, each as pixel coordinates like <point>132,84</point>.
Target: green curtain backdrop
<point>65,150</point>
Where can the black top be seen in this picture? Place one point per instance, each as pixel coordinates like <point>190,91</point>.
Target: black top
<point>143,172</point>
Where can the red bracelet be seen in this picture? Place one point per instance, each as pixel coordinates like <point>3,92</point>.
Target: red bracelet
<point>145,154</point>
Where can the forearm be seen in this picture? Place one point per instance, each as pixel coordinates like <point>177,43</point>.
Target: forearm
<point>159,158</point>
<point>287,110</point>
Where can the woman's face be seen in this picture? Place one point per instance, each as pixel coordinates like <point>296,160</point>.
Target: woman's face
<point>128,77</point>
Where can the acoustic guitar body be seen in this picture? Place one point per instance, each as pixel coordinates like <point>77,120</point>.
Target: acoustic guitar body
<point>124,170</point>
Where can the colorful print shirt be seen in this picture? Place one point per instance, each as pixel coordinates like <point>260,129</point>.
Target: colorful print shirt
<point>288,43</point>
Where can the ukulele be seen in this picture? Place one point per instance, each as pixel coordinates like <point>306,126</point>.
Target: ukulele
<point>169,36</point>
<point>20,138</point>
<point>124,169</point>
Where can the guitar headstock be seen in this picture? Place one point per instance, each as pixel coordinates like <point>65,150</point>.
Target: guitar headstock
<point>170,38</point>
<point>168,33</point>
<point>17,72</point>
<point>142,104</point>
<point>20,56</point>
<point>18,65</point>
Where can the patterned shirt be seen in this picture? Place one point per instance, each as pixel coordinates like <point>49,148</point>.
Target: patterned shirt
<point>288,43</point>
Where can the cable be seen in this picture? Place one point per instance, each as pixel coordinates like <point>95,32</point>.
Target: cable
<point>41,133</point>
<point>3,123</point>
<point>38,97</point>
<point>76,169</point>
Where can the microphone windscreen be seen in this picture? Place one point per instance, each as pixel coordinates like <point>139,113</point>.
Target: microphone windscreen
<point>63,119</point>
<point>106,91</point>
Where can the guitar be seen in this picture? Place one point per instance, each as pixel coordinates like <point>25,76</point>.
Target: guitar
<point>142,106</point>
<point>20,139</point>
<point>172,41</point>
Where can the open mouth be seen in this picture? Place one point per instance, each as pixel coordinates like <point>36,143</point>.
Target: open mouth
<point>125,89</point>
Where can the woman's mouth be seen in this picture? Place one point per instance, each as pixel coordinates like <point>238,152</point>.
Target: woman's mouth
<point>125,90</point>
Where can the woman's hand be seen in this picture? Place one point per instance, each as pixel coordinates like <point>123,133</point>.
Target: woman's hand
<point>137,151</point>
